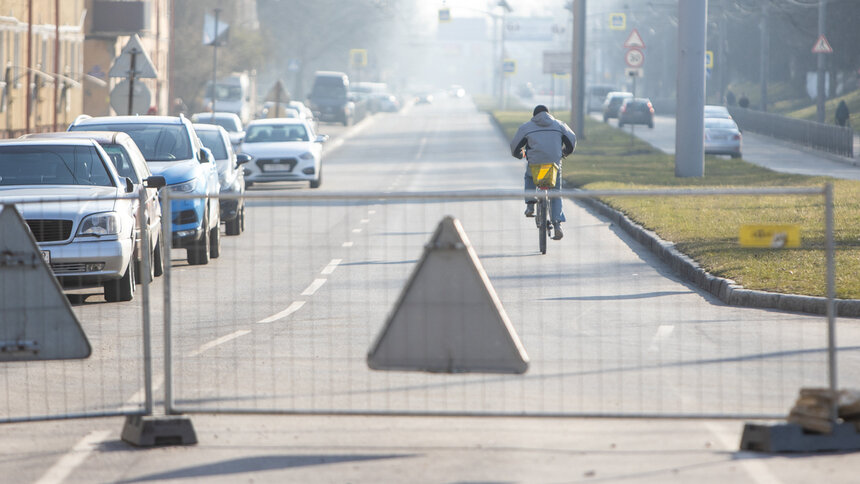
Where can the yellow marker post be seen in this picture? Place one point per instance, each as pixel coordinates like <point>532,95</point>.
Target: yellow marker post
<point>770,236</point>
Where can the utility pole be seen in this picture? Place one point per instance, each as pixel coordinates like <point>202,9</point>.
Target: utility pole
<point>690,125</point>
<point>577,76</point>
<point>822,16</point>
<point>765,55</point>
<point>215,61</point>
<point>56,60</point>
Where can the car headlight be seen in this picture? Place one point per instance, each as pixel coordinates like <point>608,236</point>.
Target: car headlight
<point>307,155</point>
<point>186,187</point>
<point>98,224</point>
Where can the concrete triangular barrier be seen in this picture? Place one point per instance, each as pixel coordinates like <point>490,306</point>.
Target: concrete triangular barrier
<point>36,319</point>
<point>448,317</point>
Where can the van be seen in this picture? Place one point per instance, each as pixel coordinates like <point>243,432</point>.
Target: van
<point>328,98</point>
<point>595,95</point>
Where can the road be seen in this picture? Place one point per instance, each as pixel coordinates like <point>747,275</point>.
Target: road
<point>283,320</point>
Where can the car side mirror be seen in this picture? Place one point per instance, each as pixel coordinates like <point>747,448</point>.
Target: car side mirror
<point>129,185</point>
<point>155,181</point>
<point>242,158</point>
<point>321,138</point>
<point>206,155</point>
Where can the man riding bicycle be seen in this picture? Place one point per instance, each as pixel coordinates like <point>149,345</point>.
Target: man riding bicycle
<point>544,140</point>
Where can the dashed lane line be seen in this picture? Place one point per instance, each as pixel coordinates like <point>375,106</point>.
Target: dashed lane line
<point>295,306</point>
<point>331,266</point>
<point>58,472</point>
<point>318,283</point>
<point>347,244</point>
<point>208,346</point>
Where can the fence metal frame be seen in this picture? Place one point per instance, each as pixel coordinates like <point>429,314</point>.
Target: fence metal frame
<point>170,407</point>
<point>826,137</point>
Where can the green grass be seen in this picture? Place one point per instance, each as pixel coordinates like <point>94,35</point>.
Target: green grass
<point>706,228</point>
<point>810,112</point>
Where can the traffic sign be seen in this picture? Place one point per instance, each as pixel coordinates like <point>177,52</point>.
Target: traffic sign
<point>822,46</point>
<point>634,58</point>
<point>634,40</point>
<point>358,57</point>
<point>556,62</point>
<point>770,236</point>
<point>143,66</point>
<point>140,101</point>
<point>444,14</point>
<point>709,59</point>
<point>509,66</point>
<point>617,21</point>
<point>634,72</point>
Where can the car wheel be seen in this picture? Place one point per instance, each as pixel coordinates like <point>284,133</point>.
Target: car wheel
<point>199,254</point>
<point>242,224</point>
<point>234,227</point>
<point>215,242</point>
<point>249,184</point>
<point>316,183</point>
<point>121,289</point>
<point>158,258</point>
<point>620,124</point>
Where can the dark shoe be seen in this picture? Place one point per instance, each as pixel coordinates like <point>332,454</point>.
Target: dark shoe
<point>530,209</point>
<point>557,234</point>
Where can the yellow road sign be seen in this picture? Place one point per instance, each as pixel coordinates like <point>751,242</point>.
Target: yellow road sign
<point>444,15</point>
<point>770,236</point>
<point>617,21</point>
<point>358,57</point>
<point>709,59</point>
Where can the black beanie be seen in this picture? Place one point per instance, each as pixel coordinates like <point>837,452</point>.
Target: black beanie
<point>540,108</point>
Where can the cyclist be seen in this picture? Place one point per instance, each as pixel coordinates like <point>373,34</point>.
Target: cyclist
<point>544,140</point>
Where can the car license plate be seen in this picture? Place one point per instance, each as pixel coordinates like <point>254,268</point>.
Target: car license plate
<point>46,256</point>
<point>277,168</point>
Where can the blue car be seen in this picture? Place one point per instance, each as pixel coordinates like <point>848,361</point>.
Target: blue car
<point>173,150</point>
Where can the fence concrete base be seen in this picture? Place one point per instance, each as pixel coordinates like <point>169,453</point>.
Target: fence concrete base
<point>788,437</point>
<point>149,431</point>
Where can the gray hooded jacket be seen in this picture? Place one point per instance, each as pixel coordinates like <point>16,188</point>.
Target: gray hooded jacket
<point>545,139</point>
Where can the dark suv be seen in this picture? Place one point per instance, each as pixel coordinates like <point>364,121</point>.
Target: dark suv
<point>329,99</point>
<point>636,111</point>
<point>613,102</point>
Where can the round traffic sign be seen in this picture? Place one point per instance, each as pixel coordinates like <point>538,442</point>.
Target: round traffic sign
<point>634,58</point>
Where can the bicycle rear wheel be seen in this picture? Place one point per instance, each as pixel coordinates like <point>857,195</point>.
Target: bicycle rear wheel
<point>542,223</point>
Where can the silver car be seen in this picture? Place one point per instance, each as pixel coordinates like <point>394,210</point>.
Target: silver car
<point>722,137</point>
<point>88,237</point>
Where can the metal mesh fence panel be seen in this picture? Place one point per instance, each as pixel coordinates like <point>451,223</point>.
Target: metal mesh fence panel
<point>283,320</point>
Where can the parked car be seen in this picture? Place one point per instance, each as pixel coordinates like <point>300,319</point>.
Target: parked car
<point>230,175</point>
<point>304,112</point>
<point>129,163</point>
<point>722,137</point>
<point>713,111</point>
<point>636,110</point>
<point>89,239</point>
<point>386,103</point>
<point>228,121</point>
<point>173,150</point>
<point>283,149</point>
<point>284,110</point>
<point>612,103</point>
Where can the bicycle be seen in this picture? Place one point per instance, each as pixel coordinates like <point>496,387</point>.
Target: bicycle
<point>544,177</point>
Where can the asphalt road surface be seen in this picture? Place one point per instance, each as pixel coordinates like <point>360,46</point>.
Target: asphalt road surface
<point>283,320</point>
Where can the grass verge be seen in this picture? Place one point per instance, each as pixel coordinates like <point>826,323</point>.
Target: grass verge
<point>706,228</point>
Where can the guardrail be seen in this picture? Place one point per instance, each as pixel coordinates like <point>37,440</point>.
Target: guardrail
<point>825,137</point>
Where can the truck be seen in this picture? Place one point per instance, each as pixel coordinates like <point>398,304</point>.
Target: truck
<point>236,93</point>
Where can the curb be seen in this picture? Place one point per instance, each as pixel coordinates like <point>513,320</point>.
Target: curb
<point>726,290</point>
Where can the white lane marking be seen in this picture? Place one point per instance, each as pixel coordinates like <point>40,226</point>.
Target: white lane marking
<point>295,306</point>
<point>331,266</point>
<point>208,346</point>
<point>421,146</point>
<point>132,405</point>
<point>347,244</point>
<point>356,231</point>
<point>365,220</point>
<point>751,462</point>
<point>663,332</point>
<point>371,212</point>
<point>318,283</point>
<point>75,457</point>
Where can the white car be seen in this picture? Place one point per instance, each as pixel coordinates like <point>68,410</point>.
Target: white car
<point>722,137</point>
<point>283,149</point>
<point>229,121</point>
<point>714,111</point>
<point>89,239</point>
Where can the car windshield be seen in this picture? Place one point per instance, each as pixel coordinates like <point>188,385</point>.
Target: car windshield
<point>121,161</point>
<point>720,123</point>
<point>212,139</point>
<point>266,133</point>
<point>230,124</point>
<point>52,165</point>
<point>157,142</point>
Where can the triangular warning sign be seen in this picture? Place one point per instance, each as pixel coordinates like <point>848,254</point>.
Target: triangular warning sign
<point>448,317</point>
<point>143,66</point>
<point>634,40</point>
<point>37,321</point>
<point>822,46</point>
